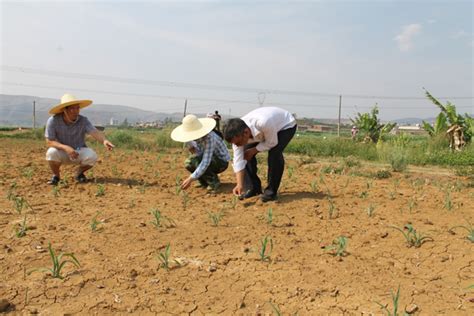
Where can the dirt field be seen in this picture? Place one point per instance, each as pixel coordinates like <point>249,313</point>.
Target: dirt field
<point>219,270</point>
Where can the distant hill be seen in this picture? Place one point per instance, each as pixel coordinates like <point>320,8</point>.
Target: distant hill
<point>17,110</point>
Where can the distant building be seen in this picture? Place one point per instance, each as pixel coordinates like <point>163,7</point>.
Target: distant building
<point>113,122</point>
<point>409,129</point>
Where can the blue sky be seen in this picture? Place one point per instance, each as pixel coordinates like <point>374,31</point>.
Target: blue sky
<point>323,48</point>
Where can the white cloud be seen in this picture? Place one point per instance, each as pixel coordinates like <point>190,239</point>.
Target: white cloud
<point>406,37</point>
<point>459,34</point>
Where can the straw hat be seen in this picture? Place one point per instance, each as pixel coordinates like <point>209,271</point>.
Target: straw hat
<point>68,100</point>
<point>192,128</point>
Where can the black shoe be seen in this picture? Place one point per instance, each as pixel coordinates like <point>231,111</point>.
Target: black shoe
<point>54,180</point>
<point>81,178</point>
<point>267,198</point>
<point>249,194</point>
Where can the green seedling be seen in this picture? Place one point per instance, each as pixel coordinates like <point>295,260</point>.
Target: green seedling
<point>338,246</point>
<point>368,184</point>
<point>266,247</point>
<point>412,238</point>
<point>275,309</point>
<point>11,191</point>
<point>391,195</point>
<point>184,200</point>
<point>448,203</point>
<point>314,186</point>
<point>469,228</point>
<point>164,257</point>
<point>95,223</point>
<point>28,173</point>
<point>332,208</point>
<point>216,217</point>
<point>291,172</point>
<point>395,298</point>
<point>20,230</point>
<point>57,263</point>
<point>233,201</point>
<point>411,205</point>
<point>100,190</point>
<point>56,190</point>
<point>370,210</point>
<point>142,188</point>
<point>363,194</point>
<point>178,185</point>
<point>269,217</point>
<point>159,219</point>
<point>20,203</point>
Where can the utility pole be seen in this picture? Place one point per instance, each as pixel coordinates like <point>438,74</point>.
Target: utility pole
<point>339,118</point>
<point>34,115</point>
<point>185,107</point>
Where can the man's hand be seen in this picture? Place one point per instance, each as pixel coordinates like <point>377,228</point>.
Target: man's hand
<point>71,152</point>
<point>108,144</point>
<point>249,153</point>
<point>238,190</point>
<point>186,183</point>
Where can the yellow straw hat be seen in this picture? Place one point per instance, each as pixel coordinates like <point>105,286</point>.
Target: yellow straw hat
<point>192,128</point>
<point>68,100</point>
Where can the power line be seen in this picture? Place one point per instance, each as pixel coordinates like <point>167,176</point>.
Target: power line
<point>226,101</point>
<point>208,86</point>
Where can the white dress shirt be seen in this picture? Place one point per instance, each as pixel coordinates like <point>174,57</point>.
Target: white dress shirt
<point>264,124</point>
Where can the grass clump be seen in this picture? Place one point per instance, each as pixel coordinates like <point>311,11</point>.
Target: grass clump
<point>216,217</point>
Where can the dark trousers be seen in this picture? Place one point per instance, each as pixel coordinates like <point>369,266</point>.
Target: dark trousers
<point>276,165</point>
<point>210,176</point>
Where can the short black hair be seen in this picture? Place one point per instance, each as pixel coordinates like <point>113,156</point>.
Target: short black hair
<point>234,127</point>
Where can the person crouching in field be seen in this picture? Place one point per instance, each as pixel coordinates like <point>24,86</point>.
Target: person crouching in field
<point>209,153</point>
<point>264,129</point>
<point>65,136</point>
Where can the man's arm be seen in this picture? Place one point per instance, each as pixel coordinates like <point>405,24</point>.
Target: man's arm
<point>101,138</point>
<point>72,153</point>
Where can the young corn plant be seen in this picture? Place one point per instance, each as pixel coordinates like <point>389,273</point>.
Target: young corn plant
<point>266,248</point>
<point>370,210</point>
<point>269,216</point>
<point>95,223</point>
<point>469,228</point>
<point>216,217</point>
<point>184,200</point>
<point>412,238</point>
<point>164,258</point>
<point>332,212</point>
<point>100,190</point>
<point>56,190</point>
<point>28,173</point>
<point>291,172</point>
<point>160,220</point>
<point>20,229</point>
<point>177,188</point>
<point>314,186</point>
<point>58,263</point>
<point>20,203</point>
<point>411,204</point>
<point>338,246</point>
<point>275,309</point>
<point>395,298</point>
<point>448,203</point>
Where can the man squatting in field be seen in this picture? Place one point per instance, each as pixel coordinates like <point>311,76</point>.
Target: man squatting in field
<point>264,129</point>
<point>209,153</point>
<point>65,136</point>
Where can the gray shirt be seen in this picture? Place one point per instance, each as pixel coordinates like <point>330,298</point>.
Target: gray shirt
<point>68,134</point>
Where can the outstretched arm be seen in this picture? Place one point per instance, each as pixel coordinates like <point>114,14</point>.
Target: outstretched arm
<point>101,138</point>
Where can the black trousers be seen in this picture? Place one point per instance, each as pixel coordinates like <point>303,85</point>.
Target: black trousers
<point>276,165</point>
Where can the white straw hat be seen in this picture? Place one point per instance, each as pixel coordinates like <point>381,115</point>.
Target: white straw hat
<point>192,128</point>
<point>68,100</point>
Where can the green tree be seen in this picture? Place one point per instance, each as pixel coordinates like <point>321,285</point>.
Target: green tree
<point>449,117</point>
<point>369,125</point>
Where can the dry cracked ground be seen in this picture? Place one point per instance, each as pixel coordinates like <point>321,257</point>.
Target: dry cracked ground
<point>215,242</point>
